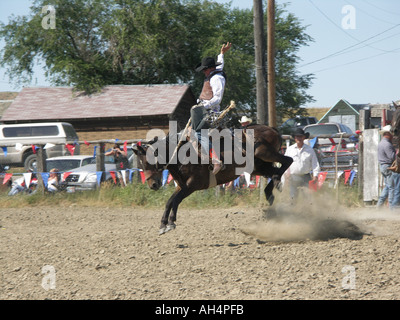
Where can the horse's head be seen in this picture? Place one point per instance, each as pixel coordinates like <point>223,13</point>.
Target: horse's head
<point>396,120</point>
<point>152,171</point>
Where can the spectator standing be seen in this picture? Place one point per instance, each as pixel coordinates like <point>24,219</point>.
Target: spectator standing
<point>305,166</point>
<point>386,157</point>
<point>120,159</point>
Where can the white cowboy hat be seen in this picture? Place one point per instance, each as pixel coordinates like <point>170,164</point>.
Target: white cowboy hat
<point>387,128</point>
<point>245,119</point>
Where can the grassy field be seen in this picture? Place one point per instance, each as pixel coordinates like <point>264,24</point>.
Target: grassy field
<point>139,195</point>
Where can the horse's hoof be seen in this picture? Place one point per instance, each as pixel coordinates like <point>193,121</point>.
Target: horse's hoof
<point>170,227</point>
<point>271,200</point>
<point>166,228</point>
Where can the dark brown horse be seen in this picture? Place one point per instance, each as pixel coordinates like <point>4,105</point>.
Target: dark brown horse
<point>396,120</point>
<point>191,177</point>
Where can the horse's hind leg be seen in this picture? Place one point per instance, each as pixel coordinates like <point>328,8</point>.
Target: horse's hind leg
<point>268,155</point>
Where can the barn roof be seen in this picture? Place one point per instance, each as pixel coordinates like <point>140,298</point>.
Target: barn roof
<point>61,103</point>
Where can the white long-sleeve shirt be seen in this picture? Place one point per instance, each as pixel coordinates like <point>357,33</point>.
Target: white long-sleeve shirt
<point>217,83</point>
<point>304,160</point>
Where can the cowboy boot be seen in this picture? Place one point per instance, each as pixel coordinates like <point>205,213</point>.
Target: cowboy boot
<point>217,163</point>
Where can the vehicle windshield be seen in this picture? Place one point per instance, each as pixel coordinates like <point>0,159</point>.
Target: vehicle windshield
<point>67,164</point>
<point>321,129</point>
<point>63,165</point>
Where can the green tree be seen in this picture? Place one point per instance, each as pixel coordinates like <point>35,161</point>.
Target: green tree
<point>104,42</point>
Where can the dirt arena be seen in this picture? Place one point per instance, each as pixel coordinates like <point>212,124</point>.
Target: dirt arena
<point>106,253</point>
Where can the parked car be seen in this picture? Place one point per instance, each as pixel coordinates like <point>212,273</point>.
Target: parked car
<point>68,163</point>
<point>19,139</point>
<point>332,128</point>
<point>290,125</point>
<point>85,177</point>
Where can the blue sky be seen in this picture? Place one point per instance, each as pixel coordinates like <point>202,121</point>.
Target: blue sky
<point>355,54</point>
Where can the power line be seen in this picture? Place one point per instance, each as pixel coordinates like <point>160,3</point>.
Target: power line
<point>355,61</point>
<point>379,8</point>
<point>345,50</point>
<point>370,15</point>
<point>340,28</point>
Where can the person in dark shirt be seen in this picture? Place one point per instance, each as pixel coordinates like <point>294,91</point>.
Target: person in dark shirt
<point>386,156</point>
<point>121,161</point>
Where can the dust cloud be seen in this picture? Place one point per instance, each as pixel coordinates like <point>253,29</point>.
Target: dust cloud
<point>314,216</point>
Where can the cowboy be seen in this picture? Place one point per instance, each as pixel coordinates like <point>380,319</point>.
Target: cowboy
<point>210,99</point>
<point>304,162</point>
<point>245,122</point>
<point>386,156</point>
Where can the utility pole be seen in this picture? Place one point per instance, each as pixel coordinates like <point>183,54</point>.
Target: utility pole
<point>271,63</point>
<point>259,48</point>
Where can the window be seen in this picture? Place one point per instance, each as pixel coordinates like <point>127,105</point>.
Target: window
<point>88,161</point>
<point>62,165</point>
<point>322,129</point>
<point>13,132</point>
<point>69,132</point>
<point>303,122</point>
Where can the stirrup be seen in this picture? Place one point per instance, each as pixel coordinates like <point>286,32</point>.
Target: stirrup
<point>221,168</point>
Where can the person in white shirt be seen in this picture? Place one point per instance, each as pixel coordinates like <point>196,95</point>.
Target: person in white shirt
<point>52,182</point>
<point>305,166</point>
<point>210,98</point>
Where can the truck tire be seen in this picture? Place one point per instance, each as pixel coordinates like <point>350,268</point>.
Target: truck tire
<point>30,162</point>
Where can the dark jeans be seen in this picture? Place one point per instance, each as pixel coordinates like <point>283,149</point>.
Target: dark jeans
<point>198,114</point>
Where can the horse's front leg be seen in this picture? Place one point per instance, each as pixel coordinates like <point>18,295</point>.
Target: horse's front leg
<point>168,207</point>
<point>182,194</point>
<point>168,220</point>
<point>268,192</point>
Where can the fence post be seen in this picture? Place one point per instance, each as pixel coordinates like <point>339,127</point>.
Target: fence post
<point>100,162</point>
<point>41,156</point>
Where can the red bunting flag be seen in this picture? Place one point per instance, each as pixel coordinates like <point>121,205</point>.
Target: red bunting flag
<point>142,176</point>
<point>126,146</point>
<point>65,175</point>
<point>113,176</point>
<point>170,178</point>
<point>321,179</point>
<point>257,180</point>
<point>313,185</point>
<point>333,144</point>
<point>346,175</point>
<point>7,177</point>
<point>71,148</point>
<point>85,142</point>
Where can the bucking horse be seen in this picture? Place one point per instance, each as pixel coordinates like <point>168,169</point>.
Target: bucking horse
<point>395,130</point>
<point>260,142</point>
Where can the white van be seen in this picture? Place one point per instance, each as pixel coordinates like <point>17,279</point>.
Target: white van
<point>28,134</point>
